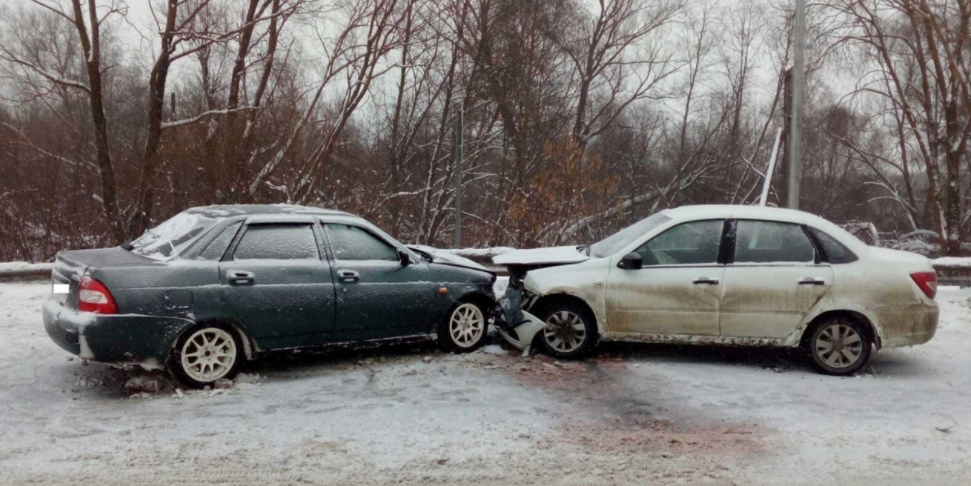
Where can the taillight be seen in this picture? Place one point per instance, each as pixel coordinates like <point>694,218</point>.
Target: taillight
<point>95,297</point>
<point>927,281</point>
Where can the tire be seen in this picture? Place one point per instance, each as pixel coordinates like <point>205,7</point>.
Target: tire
<point>570,332</point>
<point>206,354</point>
<point>839,346</point>
<point>465,328</point>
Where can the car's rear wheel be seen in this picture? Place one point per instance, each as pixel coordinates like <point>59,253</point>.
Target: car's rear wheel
<point>207,354</point>
<point>570,332</point>
<point>465,329</point>
<point>839,346</point>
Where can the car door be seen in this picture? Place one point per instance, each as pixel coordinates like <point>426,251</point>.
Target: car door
<point>281,289</point>
<point>677,289</point>
<point>773,279</point>
<point>377,296</point>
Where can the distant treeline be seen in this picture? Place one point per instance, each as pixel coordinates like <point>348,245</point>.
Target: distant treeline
<point>581,116</point>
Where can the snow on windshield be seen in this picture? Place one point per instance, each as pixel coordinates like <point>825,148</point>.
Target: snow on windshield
<point>615,242</point>
<point>169,238</point>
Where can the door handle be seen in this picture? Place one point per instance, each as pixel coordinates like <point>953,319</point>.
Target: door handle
<point>348,276</point>
<point>239,277</point>
<point>812,281</point>
<point>705,280</point>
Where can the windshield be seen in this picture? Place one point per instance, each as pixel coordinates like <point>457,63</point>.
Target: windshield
<point>169,238</point>
<point>615,242</point>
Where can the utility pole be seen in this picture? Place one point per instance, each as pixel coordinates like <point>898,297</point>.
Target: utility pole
<point>794,141</point>
<point>459,142</point>
<point>782,189</point>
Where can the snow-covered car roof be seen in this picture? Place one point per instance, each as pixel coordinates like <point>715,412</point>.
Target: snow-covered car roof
<point>765,213</point>
<point>744,212</point>
<point>231,210</point>
<point>173,236</point>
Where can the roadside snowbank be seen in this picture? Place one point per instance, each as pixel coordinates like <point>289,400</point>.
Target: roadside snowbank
<point>952,262</point>
<point>19,267</point>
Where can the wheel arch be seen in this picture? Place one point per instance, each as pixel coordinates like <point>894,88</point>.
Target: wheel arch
<point>549,299</point>
<point>859,317</point>
<point>486,302</point>
<point>477,297</point>
<point>249,346</point>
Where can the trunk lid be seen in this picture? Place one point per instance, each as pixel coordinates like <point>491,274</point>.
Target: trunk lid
<point>70,266</point>
<point>897,256</point>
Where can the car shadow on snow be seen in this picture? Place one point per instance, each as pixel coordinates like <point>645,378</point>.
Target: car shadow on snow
<point>899,363</point>
<point>100,380</point>
<point>112,382</point>
<point>894,362</point>
<point>305,363</point>
<point>775,359</point>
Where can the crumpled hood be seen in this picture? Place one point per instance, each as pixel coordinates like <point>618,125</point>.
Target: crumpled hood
<point>539,256</point>
<point>444,257</point>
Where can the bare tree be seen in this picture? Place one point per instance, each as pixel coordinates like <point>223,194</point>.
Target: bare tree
<point>580,117</point>
<point>918,49</point>
<point>618,59</point>
<point>89,37</point>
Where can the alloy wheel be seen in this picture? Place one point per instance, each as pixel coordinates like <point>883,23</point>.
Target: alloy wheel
<point>565,331</point>
<point>838,345</point>
<point>466,325</point>
<point>208,355</point>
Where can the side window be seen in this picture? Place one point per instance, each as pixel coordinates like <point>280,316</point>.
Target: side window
<point>277,242</point>
<point>771,242</point>
<point>353,243</point>
<point>689,243</point>
<point>835,251</point>
<point>217,247</point>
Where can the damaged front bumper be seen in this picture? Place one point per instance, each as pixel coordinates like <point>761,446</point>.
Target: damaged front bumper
<point>515,325</point>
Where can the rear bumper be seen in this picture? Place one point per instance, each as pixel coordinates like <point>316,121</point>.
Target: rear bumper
<point>126,338</point>
<point>909,326</point>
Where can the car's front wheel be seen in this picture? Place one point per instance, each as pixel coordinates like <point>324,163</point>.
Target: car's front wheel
<point>465,329</point>
<point>205,355</point>
<point>839,346</point>
<point>570,332</point>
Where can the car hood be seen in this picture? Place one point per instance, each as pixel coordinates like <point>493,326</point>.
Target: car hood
<point>541,256</point>
<point>446,258</point>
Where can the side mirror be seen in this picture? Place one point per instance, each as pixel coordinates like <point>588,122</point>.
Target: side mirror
<point>403,258</point>
<point>631,261</point>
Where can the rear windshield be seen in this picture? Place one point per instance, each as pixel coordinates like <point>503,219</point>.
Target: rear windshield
<point>617,241</point>
<point>169,238</point>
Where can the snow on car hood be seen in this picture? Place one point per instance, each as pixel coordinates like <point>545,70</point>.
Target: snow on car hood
<point>537,256</point>
<point>444,257</point>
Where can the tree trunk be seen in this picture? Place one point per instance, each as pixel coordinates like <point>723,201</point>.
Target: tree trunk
<point>92,52</point>
<point>153,141</point>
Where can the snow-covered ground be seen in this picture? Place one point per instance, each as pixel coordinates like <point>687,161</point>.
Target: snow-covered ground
<point>634,414</point>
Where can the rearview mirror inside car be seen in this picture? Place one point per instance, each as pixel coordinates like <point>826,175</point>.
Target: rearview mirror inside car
<point>631,261</point>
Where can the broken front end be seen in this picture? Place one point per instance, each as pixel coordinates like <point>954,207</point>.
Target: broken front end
<point>514,322</point>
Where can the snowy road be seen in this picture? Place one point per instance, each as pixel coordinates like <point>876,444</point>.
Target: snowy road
<point>635,414</point>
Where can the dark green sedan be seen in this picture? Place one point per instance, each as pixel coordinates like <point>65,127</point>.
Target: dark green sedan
<point>216,286</point>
